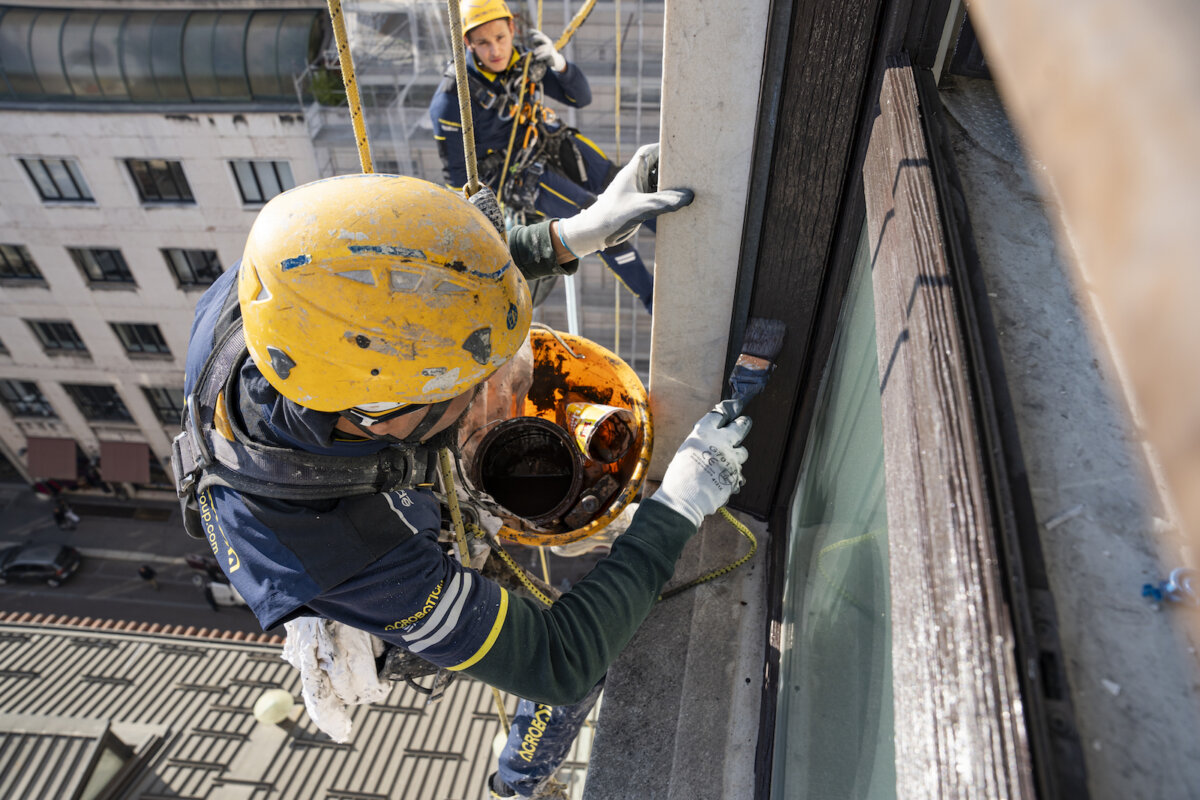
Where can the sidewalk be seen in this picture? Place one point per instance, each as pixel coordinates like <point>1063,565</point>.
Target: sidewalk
<point>127,530</point>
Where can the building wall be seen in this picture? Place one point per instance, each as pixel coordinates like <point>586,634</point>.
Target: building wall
<point>203,143</point>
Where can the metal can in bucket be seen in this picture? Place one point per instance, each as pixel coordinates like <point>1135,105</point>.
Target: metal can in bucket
<point>603,433</point>
<point>529,466</point>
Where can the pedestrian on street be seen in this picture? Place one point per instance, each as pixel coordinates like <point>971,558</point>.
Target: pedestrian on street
<point>64,517</point>
<point>148,574</point>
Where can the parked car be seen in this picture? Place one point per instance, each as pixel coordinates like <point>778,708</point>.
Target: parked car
<point>52,563</point>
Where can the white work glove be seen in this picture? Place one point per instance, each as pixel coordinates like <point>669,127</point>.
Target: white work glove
<point>707,468</point>
<point>629,200</point>
<point>545,51</point>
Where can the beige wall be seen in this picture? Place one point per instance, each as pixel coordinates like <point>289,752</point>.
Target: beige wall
<point>712,68</point>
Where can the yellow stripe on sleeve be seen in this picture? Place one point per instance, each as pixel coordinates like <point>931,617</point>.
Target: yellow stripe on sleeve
<point>491,639</point>
<point>450,124</point>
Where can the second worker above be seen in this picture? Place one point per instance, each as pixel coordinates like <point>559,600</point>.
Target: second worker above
<point>552,170</point>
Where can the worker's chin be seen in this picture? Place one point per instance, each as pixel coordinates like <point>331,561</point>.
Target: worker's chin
<point>498,65</point>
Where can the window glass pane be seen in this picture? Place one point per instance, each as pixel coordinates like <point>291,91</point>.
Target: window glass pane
<point>64,181</point>
<point>135,56</point>
<point>228,56</point>
<point>14,52</point>
<point>265,170</point>
<point>284,170</point>
<point>41,178</point>
<point>198,56</point>
<point>247,182</point>
<point>46,59</point>
<point>16,263</point>
<point>261,55</point>
<point>77,54</point>
<point>24,399</point>
<point>105,48</point>
<point>166,45</point>
<point>297,46</point>
<point>834,728</point>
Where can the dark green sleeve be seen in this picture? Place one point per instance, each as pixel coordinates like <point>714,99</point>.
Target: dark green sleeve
<point>555,655</point>
<point>533,252</point>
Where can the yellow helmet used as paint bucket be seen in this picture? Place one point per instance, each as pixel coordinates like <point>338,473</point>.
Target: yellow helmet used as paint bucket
<point>378,289</point>
<point>476,12</point>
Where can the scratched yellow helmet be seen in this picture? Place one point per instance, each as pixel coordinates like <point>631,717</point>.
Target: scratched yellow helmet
<point>368,289</point>
<point>476,12</point>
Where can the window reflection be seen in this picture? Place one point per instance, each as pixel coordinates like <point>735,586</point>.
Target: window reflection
<point>834,725</point>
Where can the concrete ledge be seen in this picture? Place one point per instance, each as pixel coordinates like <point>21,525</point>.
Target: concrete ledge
<point>681,705</point>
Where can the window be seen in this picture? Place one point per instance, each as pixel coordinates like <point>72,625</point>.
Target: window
<point>24,399</point>
<point>834,727</point>
<point>101,266</point>
<point>167,402</point>
<point>259,181</point>
<point>159,180</point>
<point>193,267</point>
<point>57,178</point>
<point>141,338</point>
<point>57,337</point>
<point>16,264</point>
<point>98,403</point>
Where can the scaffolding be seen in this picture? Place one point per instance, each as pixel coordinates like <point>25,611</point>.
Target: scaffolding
<point>401,49</point>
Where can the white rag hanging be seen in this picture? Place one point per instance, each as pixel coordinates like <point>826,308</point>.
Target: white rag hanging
<point>337,670</point>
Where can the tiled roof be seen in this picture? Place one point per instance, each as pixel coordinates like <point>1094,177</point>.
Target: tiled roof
<point>198,694</point>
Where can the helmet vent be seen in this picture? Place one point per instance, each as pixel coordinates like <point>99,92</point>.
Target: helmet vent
<point>281,362</point>
<point>479,345</point>
<point>449,287</point>
<point>404,281</point>
<point>359,275</point>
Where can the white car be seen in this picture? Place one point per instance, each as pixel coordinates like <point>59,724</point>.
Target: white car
<point>225,595</point>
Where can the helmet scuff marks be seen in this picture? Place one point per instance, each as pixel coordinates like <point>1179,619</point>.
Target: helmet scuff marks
<point>440,253</point>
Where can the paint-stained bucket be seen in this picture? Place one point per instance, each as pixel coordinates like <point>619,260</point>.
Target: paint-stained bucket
<point>531,467</point>
<point>570,369</point>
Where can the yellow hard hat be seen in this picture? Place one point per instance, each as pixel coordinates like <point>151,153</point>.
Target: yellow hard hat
<point>378,289</point>
<point>476,12</point>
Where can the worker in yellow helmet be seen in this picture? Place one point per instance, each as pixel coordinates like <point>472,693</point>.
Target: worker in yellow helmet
<point>325,369</point>
<point>553,170</point>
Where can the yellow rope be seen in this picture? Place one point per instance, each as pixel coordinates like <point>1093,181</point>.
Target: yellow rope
<point>574,24</point>
<point>464,95</point>
<point>545,566</point>
<point>617,287</point>
<point>716,573</point>
<point>347,64</point>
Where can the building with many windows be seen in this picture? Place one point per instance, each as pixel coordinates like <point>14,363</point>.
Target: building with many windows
<point>138,147</point>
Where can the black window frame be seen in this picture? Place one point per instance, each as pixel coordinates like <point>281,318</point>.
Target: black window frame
<point>192,266</point>
<point>95,407</point>
<point>260,196</point>
<point>160,180</point>
<point>102,266</point>
<point>77,192</point>
<point>141,338</point>
<point>57,336</point>
<point>163,400</point>
<point>25,399</point>
<point>16,265</point>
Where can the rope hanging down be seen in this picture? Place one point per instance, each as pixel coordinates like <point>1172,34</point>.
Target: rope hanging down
<point>464,95</point>
<point>351,83</point>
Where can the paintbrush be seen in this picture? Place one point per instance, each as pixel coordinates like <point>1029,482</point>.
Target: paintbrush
<point>760,345</point>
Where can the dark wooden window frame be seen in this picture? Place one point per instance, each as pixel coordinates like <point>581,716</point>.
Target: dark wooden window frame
<point>192,266</point>
<point>17,266</point>
<point>99,402</point>
<point>72,188</point>
<point>57,336</point>
<point>159,180</point>
<point>103,267</point>
<point>141,338</point>
<point>255,195</point>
